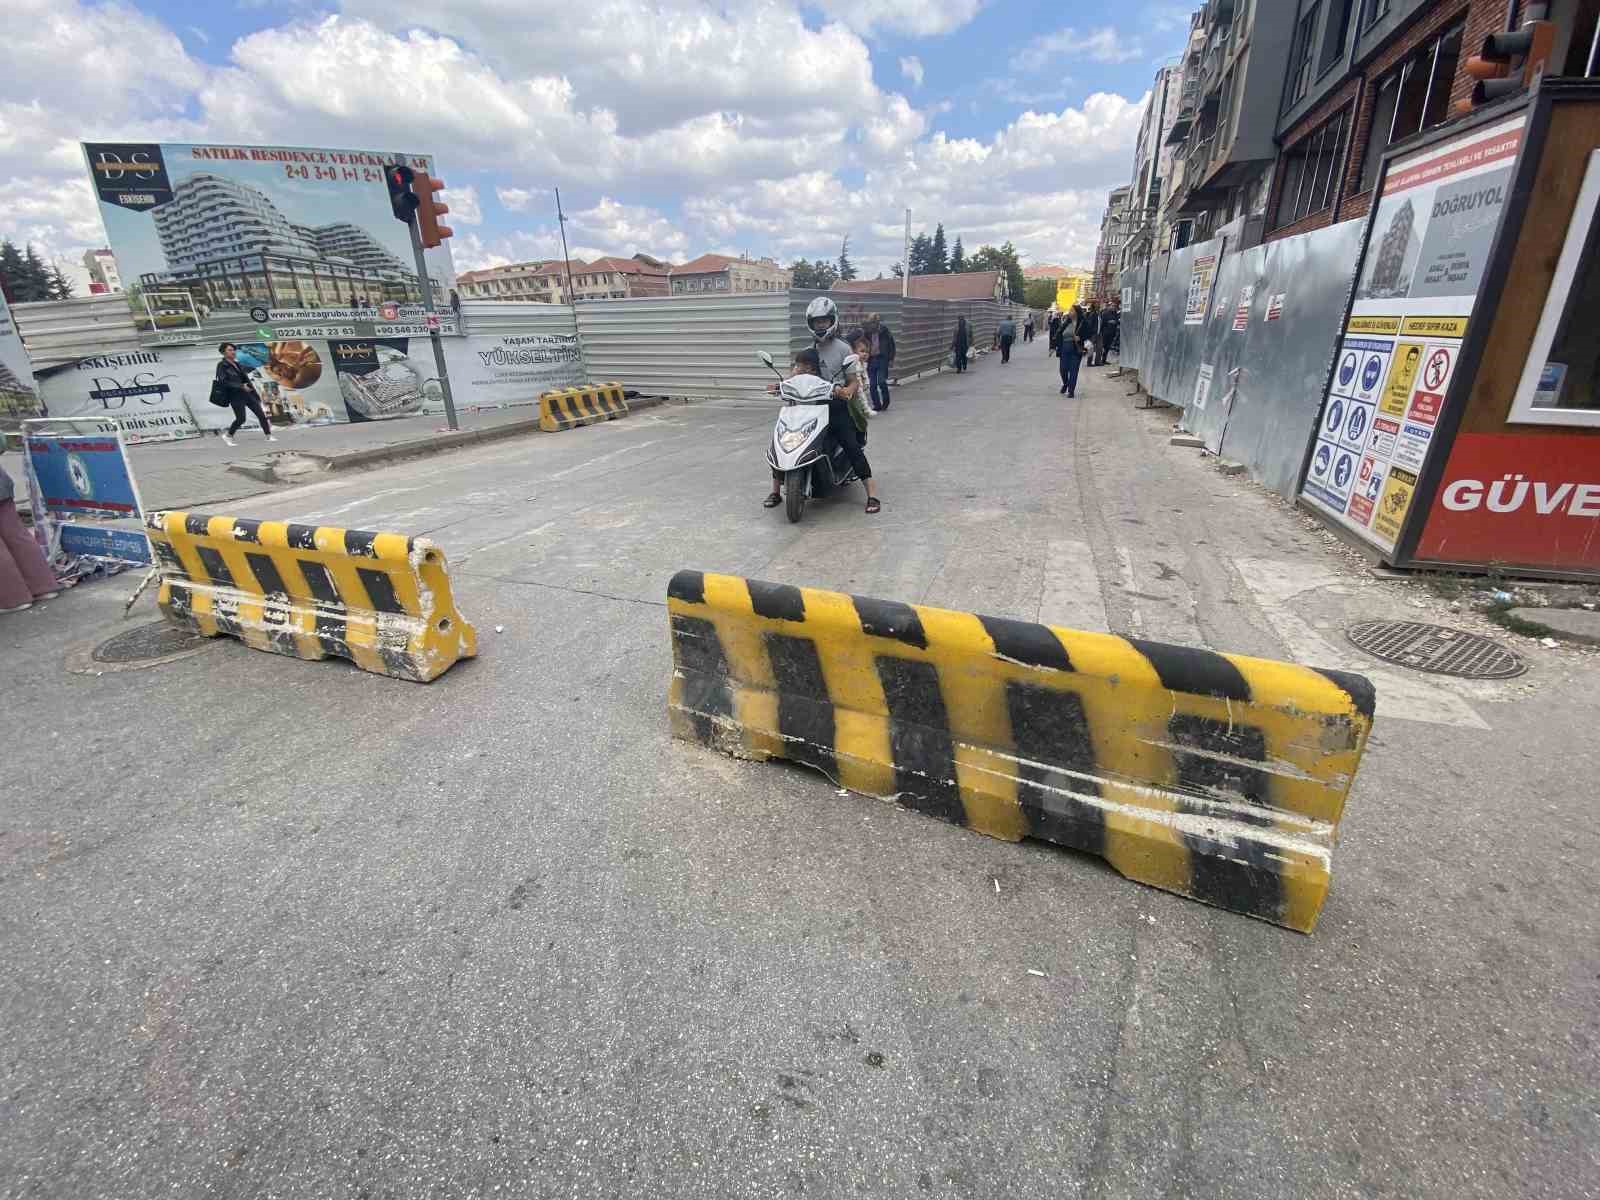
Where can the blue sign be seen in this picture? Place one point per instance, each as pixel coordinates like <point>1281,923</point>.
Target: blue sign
<point>1370,376</point>
<point>1358,423</point>
<point>1335,414</point>
<point>126,545</point>
<point>1319,464</point>
<point>1342,471</point>
<point>83,475</point>
<point>1347,370</point>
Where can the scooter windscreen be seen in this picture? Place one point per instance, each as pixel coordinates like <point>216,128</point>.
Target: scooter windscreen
<point>805,389</point>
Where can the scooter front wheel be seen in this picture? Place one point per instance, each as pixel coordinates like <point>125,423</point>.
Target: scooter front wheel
<point>794,494</point>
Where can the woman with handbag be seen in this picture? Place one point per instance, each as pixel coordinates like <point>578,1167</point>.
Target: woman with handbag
<point>232,388</point>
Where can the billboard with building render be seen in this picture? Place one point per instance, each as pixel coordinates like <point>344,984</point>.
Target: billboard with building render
<point>265,243</point>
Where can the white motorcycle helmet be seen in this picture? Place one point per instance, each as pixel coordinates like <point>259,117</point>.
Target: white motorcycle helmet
<point>822,318</point>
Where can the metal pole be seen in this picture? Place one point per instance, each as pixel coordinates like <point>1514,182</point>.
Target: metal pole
<point>905,259</point>
<point>561,220</point>
<point>433,331</point>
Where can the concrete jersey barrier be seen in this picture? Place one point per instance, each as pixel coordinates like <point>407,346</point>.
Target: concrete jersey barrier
<point>571,407</point>
<point>381,600</point>
<point>1220,777</point>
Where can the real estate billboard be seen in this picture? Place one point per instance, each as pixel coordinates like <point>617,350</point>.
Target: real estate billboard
<point>265,243</point>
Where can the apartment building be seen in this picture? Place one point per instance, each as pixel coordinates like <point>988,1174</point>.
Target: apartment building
<point>1174,96</point>
<point>1108,254</point>
<point>1223,166</point>
<point>1364,74</point>
<point>545,281</point>
<point>722,274</point>
<point>102,267</point>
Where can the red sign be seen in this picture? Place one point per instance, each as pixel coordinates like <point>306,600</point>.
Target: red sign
<point>1438,367</point>
<point>1495,148</point>
<point>1522,500</point>
<point>1425,408</point>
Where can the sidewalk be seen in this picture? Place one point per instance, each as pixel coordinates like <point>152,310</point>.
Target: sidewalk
<point>206,470</point>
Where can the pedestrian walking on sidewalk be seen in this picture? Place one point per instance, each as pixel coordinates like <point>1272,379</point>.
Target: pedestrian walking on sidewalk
<point>235,383</point>
<point>1027,327</point>
<point>1072,348</point>
<point>961,344</point>
<point>1054,330</point>
<point>1008,335</point>
<point>25,576</point>
<point>881,340</point>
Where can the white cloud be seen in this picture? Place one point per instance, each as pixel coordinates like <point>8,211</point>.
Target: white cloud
<point>1104,45</point>
<point>463,205</point>
<point>516,199</point>
<point>918,18</point>
<point>911,68</point>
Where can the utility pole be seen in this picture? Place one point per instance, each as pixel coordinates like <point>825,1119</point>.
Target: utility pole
<point>561,220</point>
<point>905,257</point>
<point>432,322</point>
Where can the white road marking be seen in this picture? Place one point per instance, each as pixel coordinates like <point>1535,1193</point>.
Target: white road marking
<point>602,458</point>
<point>1130,583</point>
<point>1400,694</point>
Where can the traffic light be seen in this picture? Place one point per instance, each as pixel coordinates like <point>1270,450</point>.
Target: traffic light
<point>401,198</point>
<point>429,210</point>
<point>1509,62</point>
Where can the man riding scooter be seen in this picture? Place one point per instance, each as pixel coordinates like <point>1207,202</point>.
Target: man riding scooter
<point>822,318</point>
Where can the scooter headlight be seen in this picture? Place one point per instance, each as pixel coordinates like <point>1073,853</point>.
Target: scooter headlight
<point>792,439</point>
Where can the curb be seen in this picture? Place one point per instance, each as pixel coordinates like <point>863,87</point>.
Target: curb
<point>269,471</point>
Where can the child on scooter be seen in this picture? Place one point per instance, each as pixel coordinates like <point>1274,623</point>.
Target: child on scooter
<point>841,420</point>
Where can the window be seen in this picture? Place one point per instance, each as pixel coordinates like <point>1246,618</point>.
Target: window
<point>1311,171</point>
<point>1300,69</point>
<point>1561,381</point>
<point>1373,11</point>
<point>1413,97</point>
<point>1333,36</point>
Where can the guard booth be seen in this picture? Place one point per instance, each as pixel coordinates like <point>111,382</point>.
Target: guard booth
<point>1460,426</point>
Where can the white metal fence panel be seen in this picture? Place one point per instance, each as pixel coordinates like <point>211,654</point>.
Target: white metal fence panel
<point>676,346</point>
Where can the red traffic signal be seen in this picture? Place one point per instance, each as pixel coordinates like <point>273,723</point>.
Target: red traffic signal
<point>429,209</point>
<point>401,199</point>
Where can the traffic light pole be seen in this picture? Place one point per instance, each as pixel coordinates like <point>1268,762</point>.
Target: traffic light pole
<point>433,333</point>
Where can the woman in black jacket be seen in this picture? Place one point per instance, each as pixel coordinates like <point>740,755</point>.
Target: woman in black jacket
<point>960,344</point>
<point>241,393</point>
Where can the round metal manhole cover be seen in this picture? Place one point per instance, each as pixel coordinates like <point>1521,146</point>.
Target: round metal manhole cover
<point>135,649</point>
<point>1436,649</point>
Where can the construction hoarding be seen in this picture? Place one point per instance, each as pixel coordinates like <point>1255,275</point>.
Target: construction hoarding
<point>266,243</point>
<point>19,397</point>
<point>1428,246</point>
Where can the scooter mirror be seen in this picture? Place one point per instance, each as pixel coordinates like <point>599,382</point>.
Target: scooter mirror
<point>766,358</point>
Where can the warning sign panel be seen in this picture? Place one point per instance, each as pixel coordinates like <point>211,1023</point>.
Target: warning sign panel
<point>1402,378</point>
<point>1393,504</point>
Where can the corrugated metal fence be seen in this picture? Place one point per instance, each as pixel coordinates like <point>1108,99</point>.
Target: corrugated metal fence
<point>676,346</point>
<point>1267,378</point>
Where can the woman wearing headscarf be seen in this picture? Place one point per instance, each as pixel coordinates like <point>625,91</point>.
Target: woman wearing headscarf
<point>25,576</point>
<point>960,344</point>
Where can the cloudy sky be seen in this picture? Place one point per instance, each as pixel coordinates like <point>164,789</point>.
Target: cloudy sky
<point>673,128</point>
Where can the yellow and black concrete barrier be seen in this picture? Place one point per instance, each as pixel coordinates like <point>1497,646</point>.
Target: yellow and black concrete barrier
<point>1216,776</point>
<point>382,600</point>
<point>571,407</point>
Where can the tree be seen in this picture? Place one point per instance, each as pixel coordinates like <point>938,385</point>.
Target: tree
<point>1040,293</point>
<point>60,287</point>
<point>847,269</point>
<point>26,276</point>
<point>898,271</point>
<point>958,258</point>
<point>921,247</point>
<point>820,275</point>
<point>938,256</point>
<point>987,258</point>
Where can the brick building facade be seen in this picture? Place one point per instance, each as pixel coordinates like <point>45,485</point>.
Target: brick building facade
<point>1366,73</point>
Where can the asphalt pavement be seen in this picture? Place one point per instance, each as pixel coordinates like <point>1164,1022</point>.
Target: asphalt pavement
<point>283,929</point>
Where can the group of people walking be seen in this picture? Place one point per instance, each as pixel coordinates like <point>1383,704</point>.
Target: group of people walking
<point>1080,333</point>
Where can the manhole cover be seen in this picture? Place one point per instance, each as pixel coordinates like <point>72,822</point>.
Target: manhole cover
<point>1436,649</point>
<point>160,640</point>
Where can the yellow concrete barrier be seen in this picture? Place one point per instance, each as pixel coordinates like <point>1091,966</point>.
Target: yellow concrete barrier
<point>382,600</point>
<point>571,407</point>
<point>1216,776</point>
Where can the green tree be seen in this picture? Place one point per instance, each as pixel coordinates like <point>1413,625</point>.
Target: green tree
<point>847,269</point>
<point>987,258</point>
<point>958,258</point>
<point>820,275</point>
<point>26,276</point>
<point>938,253</point>
<point>1040,293</point>
<point>921,248</point>
<point>60,287</point>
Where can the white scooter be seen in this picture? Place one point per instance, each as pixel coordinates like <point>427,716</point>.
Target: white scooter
<point>811,459</point>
